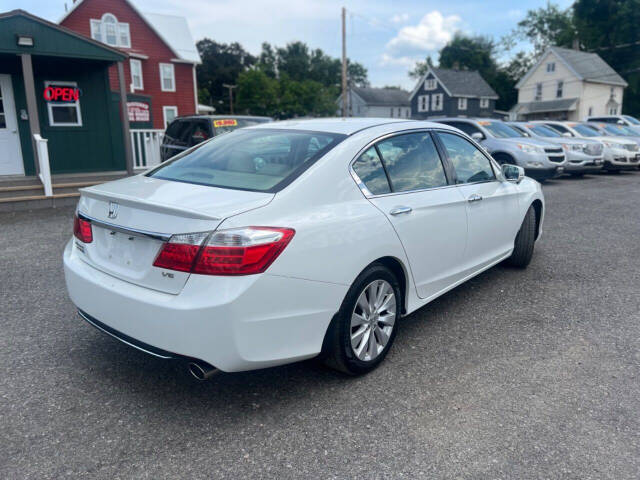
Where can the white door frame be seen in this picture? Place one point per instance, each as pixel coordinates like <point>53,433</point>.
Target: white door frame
<point>12,128</point>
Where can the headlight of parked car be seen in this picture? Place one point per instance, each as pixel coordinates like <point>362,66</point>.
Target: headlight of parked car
<point>576,147</point>
<point>530,148</point>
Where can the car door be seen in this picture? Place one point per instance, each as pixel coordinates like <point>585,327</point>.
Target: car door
<point>407,181</point>
<point>492,204</point>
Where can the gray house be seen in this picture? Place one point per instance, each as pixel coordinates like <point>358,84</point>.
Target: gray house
<point>443,92</point>
<point>376,102</point>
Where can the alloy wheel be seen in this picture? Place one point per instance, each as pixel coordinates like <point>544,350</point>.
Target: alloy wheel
<point>373,320</point>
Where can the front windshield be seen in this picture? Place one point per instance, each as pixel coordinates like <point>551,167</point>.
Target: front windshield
<point>613,129</point>
<point>500,129</point>
<point>631,120</point>
<point>261,160</point>
<point>585,131</point>
<point>542,131</point>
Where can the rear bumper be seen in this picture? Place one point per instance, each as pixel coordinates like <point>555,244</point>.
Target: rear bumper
<point>232,323</point>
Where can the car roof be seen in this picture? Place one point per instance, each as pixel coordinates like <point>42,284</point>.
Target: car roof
<point>345,126</point>
<point>467,119</point>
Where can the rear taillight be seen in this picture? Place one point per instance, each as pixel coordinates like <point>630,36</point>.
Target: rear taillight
<point>238,251</point>
<point>180,252</point>
<point>82,229</point>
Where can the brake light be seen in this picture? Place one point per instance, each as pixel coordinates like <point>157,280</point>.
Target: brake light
<point>180,252</point>
<point>82,229</point>
<point>238,251</point>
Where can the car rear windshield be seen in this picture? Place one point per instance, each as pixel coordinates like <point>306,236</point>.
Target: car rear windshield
<point>261,160</point>
<point>501,130</point>
<point>226,125</point>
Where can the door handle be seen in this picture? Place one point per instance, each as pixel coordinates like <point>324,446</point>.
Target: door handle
<point>474,198</point>
<point>400,210</point>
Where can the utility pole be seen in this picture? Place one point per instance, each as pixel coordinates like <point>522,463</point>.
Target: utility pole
<point>230,87</point>
<point>344,62</point>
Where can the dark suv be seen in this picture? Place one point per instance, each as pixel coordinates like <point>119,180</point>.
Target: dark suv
<point>185,132</point>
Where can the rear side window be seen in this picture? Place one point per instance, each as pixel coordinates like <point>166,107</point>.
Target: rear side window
<point>369,169</point>
<point>261,160</point>
<point>178,131</point>
<point>469,163</point>
<point>412,162</point>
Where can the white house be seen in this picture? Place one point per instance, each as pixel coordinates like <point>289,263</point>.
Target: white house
<point>568,84</point>
<point>376,102</point>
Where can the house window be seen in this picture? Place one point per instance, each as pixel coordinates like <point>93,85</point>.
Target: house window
<point>136,74</point>
<point>167,77</point>
<point>108,30</point>
<point>462,104</point>
<point>399,112</point>
<point>590,111</point>
<point>613,111</point>
<point>436,102</point>
<point>423,103</point>
<point>169,113</point>
<point>391,113</point>
<point>484,102</point>
<point>430,84</point>
<point>551,67</point>
<point>538,91</point>
<point>63,104</point>
<point>559,89</point>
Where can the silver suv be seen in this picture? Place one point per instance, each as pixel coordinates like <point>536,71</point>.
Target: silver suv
<point>539,158</point>
<point>583,155</point>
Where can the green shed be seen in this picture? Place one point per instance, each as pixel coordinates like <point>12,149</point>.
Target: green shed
<point>55,94</point>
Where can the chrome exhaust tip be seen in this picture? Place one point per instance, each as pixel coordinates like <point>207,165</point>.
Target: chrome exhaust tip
<point>202,371</point>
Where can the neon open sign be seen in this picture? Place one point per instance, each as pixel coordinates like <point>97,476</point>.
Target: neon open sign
<point>61,94</point>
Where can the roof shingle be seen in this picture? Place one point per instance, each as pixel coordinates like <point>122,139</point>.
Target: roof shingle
<point>383,96</point>
<point>589,66</point>
<point>464,82</point>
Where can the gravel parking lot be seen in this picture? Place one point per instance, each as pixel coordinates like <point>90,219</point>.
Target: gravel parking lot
<point>516,374</point>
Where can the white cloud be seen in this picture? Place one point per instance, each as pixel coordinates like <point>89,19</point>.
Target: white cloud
<point>432,33</point>
<point>400,18</point>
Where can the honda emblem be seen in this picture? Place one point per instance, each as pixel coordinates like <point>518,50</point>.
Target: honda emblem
<point>113,209</point>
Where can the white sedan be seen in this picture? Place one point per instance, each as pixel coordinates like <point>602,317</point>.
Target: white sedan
<point>289,240</point>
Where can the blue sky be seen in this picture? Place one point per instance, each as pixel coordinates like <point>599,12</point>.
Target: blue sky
<point>386,36</point>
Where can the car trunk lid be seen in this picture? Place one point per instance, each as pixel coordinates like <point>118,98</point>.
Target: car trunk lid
<point>132,218</point>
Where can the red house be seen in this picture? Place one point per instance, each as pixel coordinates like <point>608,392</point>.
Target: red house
<point>161,68</point>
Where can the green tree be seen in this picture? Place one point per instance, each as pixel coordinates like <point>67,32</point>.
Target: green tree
<point>610,28</point>
<point>257,93</point>
<point>221,63</point>
<point>547,26</point>
<point>421,68</point>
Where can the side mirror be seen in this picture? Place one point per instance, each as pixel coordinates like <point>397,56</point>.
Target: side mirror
<point>566,134</point>
<point>513,173</point>
<point>477,136</point>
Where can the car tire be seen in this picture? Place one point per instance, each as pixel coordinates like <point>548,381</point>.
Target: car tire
<point>525,240</point>
<point>577,175</point>
<point>340,352</point>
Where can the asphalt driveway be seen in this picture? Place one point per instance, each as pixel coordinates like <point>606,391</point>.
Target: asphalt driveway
<point>516,374</point>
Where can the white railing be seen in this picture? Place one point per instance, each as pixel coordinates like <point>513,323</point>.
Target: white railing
<point>146,147</point>
<point>43,164</point>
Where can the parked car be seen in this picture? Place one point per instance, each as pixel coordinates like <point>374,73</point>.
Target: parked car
<point>619,153</point>
<point>186,132</point>
<point>541,159</point>
<point>583,155</point>
<point>237,259</point>
<point>620,131</point>
<point>626,120</point>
